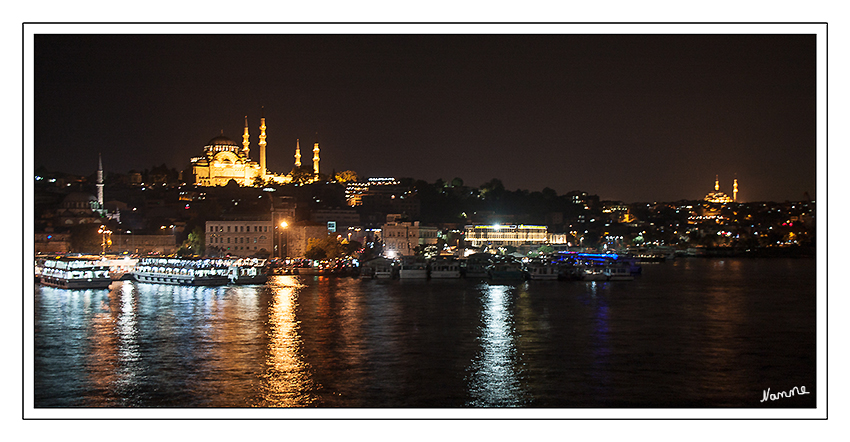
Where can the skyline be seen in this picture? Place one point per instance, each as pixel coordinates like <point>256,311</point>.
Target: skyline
<point>626,117</point>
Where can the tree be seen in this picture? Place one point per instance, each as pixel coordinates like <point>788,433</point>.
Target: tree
<point>328,247</point>
<point>346,176</point>
<point>493,188</point>
<point>194,244</point>
<point>302,175</point>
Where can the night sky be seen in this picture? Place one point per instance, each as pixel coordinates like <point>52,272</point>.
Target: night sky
<point>626,117</point>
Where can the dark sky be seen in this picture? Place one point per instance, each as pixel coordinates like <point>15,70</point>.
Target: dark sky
<point>627,117</point>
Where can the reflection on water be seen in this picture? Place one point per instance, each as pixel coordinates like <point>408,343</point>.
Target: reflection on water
<point>494,378</point>
<point>288,379</point>
<point>704,333</point>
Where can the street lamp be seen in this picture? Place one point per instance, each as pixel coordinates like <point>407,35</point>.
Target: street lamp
<point>283,225</point>
<point>103,241</point>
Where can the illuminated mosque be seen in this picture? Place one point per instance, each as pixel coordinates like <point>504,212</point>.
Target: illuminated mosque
<point>719,197</point>
<point>224,160</point>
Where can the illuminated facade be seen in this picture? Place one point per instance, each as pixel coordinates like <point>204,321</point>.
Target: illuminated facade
<point>224,160</point>
<point>240,238</point>
<point>719,197</point>
<point>402,238</point>
<point>506,235</point>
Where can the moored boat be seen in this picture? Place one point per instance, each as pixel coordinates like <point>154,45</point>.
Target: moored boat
<point>445,269</point>
<point>608,272</point>
<point>475,266</point>
<point>506,269</point>
<point>75,273</point>
<point>413,269</point>
<point>182,271</point>
<point>247,271</point>
<point>542,270</point>
<point>378,268</point>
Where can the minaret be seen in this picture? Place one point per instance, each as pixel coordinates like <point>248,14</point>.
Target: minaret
<point>716,183</point>
<point>735,190</point>
<point>246,142</point>
<point>297,153</point>
<point>262,144</point>
<point>99,181</point>
<point>316,158</point>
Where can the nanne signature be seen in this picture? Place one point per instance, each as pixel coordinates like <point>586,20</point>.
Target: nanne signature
<point>782,394</point>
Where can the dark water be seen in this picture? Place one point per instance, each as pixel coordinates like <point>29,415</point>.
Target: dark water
<point>687,333</point>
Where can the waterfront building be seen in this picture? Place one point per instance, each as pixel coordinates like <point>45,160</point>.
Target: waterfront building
<point>500,235</point>
<point>240,237</point>
<point>402,238</point>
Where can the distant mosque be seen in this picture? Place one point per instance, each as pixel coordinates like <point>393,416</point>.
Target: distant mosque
<point>224,160</point>
<point>719,197</point>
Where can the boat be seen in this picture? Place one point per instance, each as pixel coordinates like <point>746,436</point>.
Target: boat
<point>75,273</point>
<point>122,269</point>
<point>475,266</point>
<point>413,269</point>
<point>247,271</point>
<point>619,273</point>
<point>445,269</point>
<point>378,268</point>
<point>506,269</point>
<point>608,272</point>
<point>182,271</point>
<point>542,270</point>
<point>593,273</point>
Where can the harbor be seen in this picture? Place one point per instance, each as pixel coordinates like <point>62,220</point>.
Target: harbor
<point>331,341</point>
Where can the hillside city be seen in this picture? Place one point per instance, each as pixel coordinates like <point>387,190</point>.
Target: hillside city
<point>157,212</point>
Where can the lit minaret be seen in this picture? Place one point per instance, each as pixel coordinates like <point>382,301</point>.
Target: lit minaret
<point>262,144</point>
<point>246,143</point>
<point>99,181</point>
<point>716,183</point>
<point>297,153</point>
<point>735,190</point>
<point>316,158</point>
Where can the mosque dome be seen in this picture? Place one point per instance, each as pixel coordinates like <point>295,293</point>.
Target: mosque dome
<point>221,140</point>
<point>79,201</point>
<point>221,144</point>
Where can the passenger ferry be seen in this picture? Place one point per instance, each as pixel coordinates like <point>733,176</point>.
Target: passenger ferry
<point>542,270</point>
<point>506,269</point>
<point>74,273</point>
<point>610,272</point>
<point>247,271</point>
<point>475,266</point>
<point>413,269</point>
<point>182,271</point>
<point>445,269</point>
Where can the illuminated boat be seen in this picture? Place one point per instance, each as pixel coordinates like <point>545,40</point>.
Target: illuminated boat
<point>247,271</point>
<point>182,271</point>
<point>609,272</point>
<point>75,273</point>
